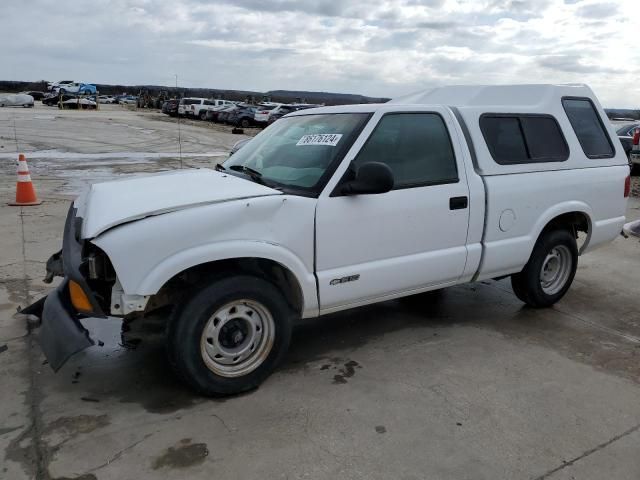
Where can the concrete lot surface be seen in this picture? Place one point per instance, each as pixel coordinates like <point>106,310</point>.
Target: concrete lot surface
<point>467,385</point>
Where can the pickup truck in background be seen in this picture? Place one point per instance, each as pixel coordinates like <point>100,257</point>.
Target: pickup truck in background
<point>198,107</point>
<point>336,207</point>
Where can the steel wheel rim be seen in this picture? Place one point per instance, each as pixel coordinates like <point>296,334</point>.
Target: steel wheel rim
<point>237,338</point>
<point>556,269</point>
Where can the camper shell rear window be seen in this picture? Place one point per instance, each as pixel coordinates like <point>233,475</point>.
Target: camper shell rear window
<point>588,126</point>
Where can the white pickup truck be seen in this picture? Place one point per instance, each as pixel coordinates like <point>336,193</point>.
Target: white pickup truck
<point>336,207</point>
<point>198,107</point>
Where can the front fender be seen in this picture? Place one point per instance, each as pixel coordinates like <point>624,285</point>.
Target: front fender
<point>159,274</point>
<point>147,253</point>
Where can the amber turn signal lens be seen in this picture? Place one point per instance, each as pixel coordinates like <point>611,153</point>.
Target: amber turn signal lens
<point>79,299</point>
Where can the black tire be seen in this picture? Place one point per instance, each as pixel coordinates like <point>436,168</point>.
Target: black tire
<point>203,115</point>
<point>527,285</point>
<point>245,123</point>
<point>186,327</point>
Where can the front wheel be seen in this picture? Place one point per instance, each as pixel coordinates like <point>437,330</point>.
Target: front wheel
<point>230,335</point>
<point>549,272</point>
<point>203,115</point>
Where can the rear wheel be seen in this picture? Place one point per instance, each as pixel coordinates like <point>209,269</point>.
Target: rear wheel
<point>203,115</point>
<point>244,123</point>
<point>230,336</point>
<point>549,272</point>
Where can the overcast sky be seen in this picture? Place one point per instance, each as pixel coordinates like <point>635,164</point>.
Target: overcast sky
<point>380,48</point>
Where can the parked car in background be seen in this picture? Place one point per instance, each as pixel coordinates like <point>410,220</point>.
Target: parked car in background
<point>223,116</point>
<point>35,94</point>
<point>16,100</point>
<point>212,113</point>
<point>243,116</point>
<point>78,103</point>
<point>184,105</point>
<point>221,103</point>
<point>201,106</point>
<point>625,134</point>
<point>170,107</point>
<point>53,99</point>
<point>199,110</point>
<point>634,155</point>
<point>128,100</point>
<point>108,99</point>
<point>218,104</point>
<point>79,88</point>
<point>282,110</point>
<point>61,83</point>
<point>261,116</point>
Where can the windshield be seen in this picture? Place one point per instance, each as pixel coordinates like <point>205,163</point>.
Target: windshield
<point>297,152</point>
<point>627,129</point>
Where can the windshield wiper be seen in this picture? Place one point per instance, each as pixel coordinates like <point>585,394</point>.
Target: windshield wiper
<point>219,167</point>
<point>255,175</point>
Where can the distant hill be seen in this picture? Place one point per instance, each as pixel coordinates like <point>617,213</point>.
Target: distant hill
<point>284,96</point>
<point>622,113</point>
<point>324,97</point>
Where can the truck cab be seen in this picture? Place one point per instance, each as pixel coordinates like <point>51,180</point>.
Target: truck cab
<point>336,207</point>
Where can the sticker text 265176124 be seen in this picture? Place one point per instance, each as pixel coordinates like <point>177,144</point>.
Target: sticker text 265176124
<point>330,139</point>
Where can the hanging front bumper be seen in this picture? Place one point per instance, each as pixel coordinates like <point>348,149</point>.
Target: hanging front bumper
<point>62,334</point>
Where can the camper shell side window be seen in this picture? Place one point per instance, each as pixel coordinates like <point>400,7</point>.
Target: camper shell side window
<point>515,138</point>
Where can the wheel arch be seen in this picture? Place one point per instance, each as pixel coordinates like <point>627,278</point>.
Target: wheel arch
<point>270,261</point>
<point>577,216</point>
<point>267,269</point>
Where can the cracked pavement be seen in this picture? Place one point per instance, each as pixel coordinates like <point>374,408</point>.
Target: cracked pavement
<point>470,385</point>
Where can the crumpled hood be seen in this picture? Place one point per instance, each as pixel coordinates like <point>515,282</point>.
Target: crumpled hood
<point>109,204</point>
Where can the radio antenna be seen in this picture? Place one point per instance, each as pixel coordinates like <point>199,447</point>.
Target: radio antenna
<point>179,132</point>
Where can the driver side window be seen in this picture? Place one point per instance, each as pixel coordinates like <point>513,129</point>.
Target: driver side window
<point>417,148</point>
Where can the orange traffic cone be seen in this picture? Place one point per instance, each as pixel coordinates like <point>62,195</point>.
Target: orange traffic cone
<point>25,193</point>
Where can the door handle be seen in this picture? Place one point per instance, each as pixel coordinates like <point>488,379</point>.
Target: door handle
<point>458,203</point>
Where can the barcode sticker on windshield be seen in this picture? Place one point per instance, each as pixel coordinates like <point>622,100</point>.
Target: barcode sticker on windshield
<point>330,139</point>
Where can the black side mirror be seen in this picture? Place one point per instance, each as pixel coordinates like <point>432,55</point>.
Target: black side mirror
<point>371,177</point>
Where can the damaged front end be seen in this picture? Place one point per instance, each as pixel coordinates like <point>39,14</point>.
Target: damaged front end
<point>84,292</point>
